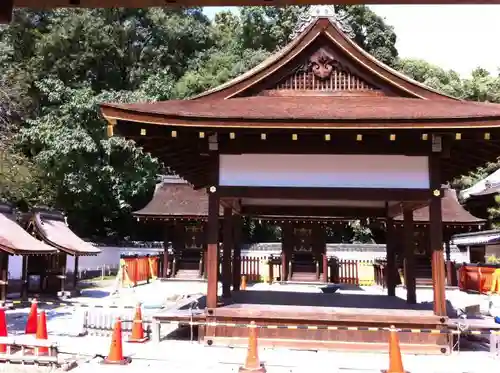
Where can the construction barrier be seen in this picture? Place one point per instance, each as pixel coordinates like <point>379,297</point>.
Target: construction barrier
<point>136,270</point>
<point>478,278</point>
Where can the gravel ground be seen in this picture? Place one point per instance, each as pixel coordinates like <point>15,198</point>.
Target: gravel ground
<point>64,322</point>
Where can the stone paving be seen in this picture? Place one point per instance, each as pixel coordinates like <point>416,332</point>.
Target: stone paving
<point>65,322</point>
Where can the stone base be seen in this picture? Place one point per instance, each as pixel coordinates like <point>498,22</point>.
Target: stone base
<point>259,370</point>
<point>69,294</point>
<point>124,361</point>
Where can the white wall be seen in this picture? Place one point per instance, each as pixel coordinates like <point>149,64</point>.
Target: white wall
<point>108,258</point>
<point>320,170</point>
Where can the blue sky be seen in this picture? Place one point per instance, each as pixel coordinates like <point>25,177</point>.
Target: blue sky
<point>458,37</point>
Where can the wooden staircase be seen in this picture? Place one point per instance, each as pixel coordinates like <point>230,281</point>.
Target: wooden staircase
<point>303,272</point>
<point>188,274</point>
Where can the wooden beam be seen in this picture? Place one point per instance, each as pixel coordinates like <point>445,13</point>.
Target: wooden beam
<point>47,4</point>
<point>343,213</point>
<point>348,194</point>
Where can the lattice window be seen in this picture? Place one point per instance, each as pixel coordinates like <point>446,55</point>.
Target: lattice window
<point>337,81</point>
<point>323,72</point>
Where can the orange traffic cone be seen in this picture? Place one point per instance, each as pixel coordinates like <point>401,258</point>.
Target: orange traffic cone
<point>31,324</point>
<point>137,329</point>
<point>41,334</point>
<point>243,285</point>
<point>3,330</point>
<point>115,355</point>
<point>395,360</point>
<point>252,363</point>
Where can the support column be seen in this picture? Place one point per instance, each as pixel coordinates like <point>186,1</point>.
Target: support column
<point>436,236</point>
<point>237,226</point>
<point>409,257</point>
<point>24,278</point>
<point>4,276</point>
<point>212,246</point>
<point>227,250</point>
<point>391,270</point>
<point>285,257</point>
<point>450,268</point>
<point>62,267</point>
<point>165,267</point>
<point>6,7</point>
<point>75,272</point>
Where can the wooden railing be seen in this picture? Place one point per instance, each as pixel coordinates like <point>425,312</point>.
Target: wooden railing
<point>346,271</point>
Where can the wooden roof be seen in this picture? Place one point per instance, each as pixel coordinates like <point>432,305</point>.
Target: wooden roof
<point>313,112</point>
<point>322,85</point>
<point>322,79</point>
<point>51,228</point>
<point>451,210</point>
<point>17,241</point>
<point>174,198</point>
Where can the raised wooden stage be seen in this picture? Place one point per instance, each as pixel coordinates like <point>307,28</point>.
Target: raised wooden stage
<point>288,313</point>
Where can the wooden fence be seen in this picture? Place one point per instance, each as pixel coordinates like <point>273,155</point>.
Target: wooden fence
<point>344,271</point>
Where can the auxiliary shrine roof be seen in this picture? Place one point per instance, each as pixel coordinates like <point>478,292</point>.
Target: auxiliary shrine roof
<point>17,241</point>
<point>174,198</point>
<point>451,210</point>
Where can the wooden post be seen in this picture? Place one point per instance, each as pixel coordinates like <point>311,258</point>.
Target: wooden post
<point>325,266</point>
<point>409,257</point>
<point>391,271</point>
<point>227,249</point>
<point>4,276</point>
<point>285,240</point>
<point>450,268</point>
<point>75,272</point>
<point>436,236</point>
<point>212,246</point>
<point>165,267</point>
<point>24,278</point>
<point>62,268</point>
<point>237,226</point>
<point>6,7</point>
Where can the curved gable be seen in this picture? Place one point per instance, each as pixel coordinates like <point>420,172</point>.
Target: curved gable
<point>322,61</point>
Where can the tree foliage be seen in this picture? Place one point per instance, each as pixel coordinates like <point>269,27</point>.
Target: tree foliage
<point>57,66</point>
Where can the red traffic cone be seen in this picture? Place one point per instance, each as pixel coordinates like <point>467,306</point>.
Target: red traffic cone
<point>31,324</point>
<point>3,330</point>
<point>252,362</point>
<point>41,334</point>
<point>395,360</point>
<point>115,355</point>
<point>137,329</point>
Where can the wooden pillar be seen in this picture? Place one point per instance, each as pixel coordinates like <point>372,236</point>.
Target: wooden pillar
<point>409,257</point>
<point>391,270</point>
<point>6,7</point>
<point>237,226</point>
<point>24,278</point>
<point>227,250</point>
<point>436,236</point>
<point>62,268</point>
<point>75,272</point>
<point>450,268</point>
<point>4,276</point>
<point>286,232</point>
<point>213,241</point>
<point>166,244</point>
